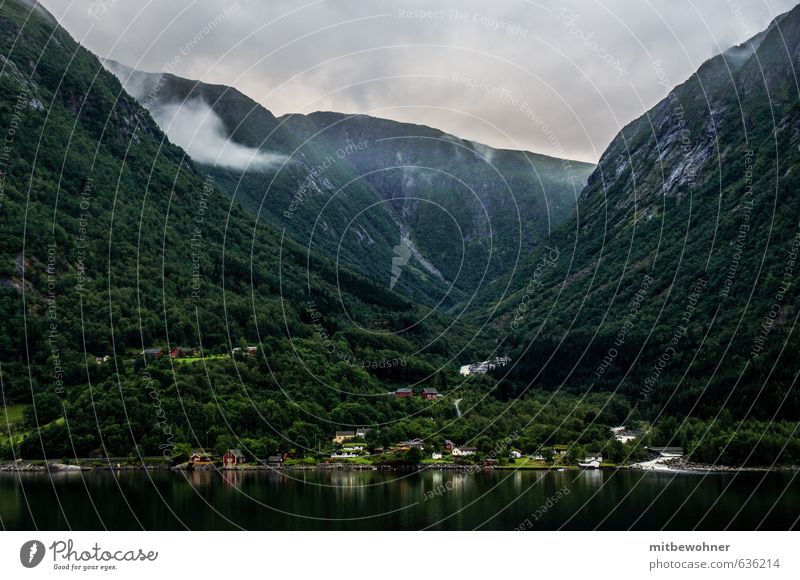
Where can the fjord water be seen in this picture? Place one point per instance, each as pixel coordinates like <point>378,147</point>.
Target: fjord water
<point>334,500</point>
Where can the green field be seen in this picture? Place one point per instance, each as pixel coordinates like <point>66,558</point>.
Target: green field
<point>354,460</point>
<point>444,459</point>
<point>12,416</point>
<point>195,359</point>
<point>302,461</point>
<point>528,463</point>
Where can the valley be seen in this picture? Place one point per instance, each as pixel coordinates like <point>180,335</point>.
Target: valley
<point>362,257</point>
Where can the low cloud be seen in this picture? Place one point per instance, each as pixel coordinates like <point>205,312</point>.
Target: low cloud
<point>192,124</point>
<point>200,131</point>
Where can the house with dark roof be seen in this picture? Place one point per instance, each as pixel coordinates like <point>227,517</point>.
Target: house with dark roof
<point>233,457</point>
<point>151,353</point>
<point>404,392</point>
<point>429,394</point>
<point>416,443</point>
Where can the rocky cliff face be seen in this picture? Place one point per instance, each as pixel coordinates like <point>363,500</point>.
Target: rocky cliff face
<point>681,143</point>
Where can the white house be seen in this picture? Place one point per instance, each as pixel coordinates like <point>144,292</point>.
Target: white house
<point>436,455</point>
<point>515,454</point>
<point>463,451</point>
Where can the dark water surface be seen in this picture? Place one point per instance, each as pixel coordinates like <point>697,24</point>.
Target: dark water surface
<point>326,500</point>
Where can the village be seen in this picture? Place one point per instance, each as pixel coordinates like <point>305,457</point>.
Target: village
<point>360,448</point>
<point>350,449</point>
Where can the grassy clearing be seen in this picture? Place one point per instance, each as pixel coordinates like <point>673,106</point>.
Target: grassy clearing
<point>12,416</point>
<point>303,461</point>
<point>528,463</point>
<point>195,359</point>
<point>353,460</point>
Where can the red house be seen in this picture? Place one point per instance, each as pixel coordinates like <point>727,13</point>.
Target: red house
<point>429,394</point>
<point>232,457</point>
<point>404,392</point>
<point>198,458</point>
<point>448,445</point>
<point>182,351</point>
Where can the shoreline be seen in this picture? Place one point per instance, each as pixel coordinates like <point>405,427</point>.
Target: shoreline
<point>673,465</point>
<point>682,465</point>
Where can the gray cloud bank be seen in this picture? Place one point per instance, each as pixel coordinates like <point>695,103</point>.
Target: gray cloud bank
<point>495,73</point>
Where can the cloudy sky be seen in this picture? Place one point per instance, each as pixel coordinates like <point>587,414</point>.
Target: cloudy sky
<point>558,77</point>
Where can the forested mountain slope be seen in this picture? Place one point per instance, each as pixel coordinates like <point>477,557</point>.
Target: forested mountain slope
<point>675,281</point>
<point>112,241</point>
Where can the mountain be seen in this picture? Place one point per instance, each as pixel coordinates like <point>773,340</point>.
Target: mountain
<point>675,280</point>
<point>426,213</point>
<point>113,241</point>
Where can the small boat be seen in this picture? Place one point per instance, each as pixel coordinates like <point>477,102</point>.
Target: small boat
<point>589,465</point>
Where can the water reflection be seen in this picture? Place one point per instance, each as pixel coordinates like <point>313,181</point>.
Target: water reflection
<point>493,499</point>
<point>231,478</point>
<point>591,478</point>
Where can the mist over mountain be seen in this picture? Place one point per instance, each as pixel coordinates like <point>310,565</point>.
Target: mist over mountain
<point>365,190</point>
<point>194,126</point>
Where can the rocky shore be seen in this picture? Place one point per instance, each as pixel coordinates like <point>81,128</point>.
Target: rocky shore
<point>682,464</point>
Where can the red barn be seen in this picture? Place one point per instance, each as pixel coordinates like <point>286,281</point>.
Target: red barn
<point>404,392</point>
